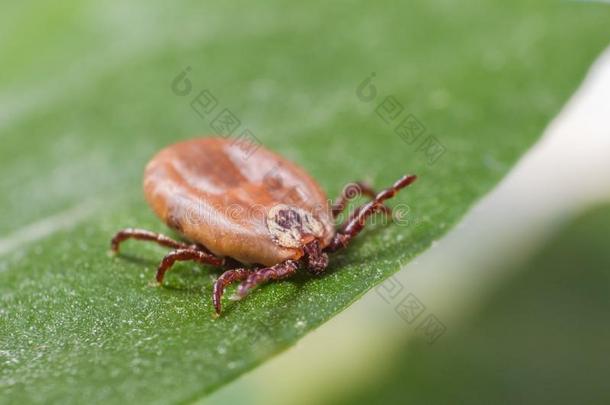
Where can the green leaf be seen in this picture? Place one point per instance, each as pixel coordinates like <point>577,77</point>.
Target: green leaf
<point>87,99</point>
<point>539,338</point>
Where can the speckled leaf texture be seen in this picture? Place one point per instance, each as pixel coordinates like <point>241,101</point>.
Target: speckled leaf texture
<point>87,98</point>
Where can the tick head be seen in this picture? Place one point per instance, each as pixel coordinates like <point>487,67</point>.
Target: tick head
<point>293,227</point>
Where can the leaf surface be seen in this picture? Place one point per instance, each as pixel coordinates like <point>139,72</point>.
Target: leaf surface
<point>87,99</point>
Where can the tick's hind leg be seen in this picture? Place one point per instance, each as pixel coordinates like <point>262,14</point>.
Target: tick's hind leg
<point>356,223</point>
<point>352,191</point>
<point>189,253</point>
<point>252,279</point>
<point>141,234</point>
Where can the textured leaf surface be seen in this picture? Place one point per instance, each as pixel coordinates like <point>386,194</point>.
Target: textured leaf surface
<point>87,99</point>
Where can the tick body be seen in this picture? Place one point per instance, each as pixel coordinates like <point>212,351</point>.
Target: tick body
<point>256,209</point>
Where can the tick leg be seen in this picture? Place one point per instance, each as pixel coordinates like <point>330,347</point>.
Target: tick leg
<point>356,223</point>
<point>386,210</point>
<point>252,279</point>
<point>277,272</point>
<point>352,191</point>
<point>189,253</point>
<point>141,234</point>
<point>223,281</point>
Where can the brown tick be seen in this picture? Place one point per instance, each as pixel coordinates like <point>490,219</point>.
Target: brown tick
<point>255,208</point>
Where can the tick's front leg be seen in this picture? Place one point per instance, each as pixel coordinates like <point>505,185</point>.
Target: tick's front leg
<point>351,191</point>
<point>356,223</point>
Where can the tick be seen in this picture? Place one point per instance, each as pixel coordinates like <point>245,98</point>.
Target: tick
<point>253,213</point>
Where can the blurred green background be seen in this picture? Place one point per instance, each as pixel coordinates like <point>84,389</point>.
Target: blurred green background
<point>86,98</point>
<point>542,337</point>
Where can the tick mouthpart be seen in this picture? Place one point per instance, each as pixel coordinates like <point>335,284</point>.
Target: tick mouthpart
<point>316,259</point>
<point>318,264</point>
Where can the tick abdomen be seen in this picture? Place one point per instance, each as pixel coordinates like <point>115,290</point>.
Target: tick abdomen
<point>213,193</point>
